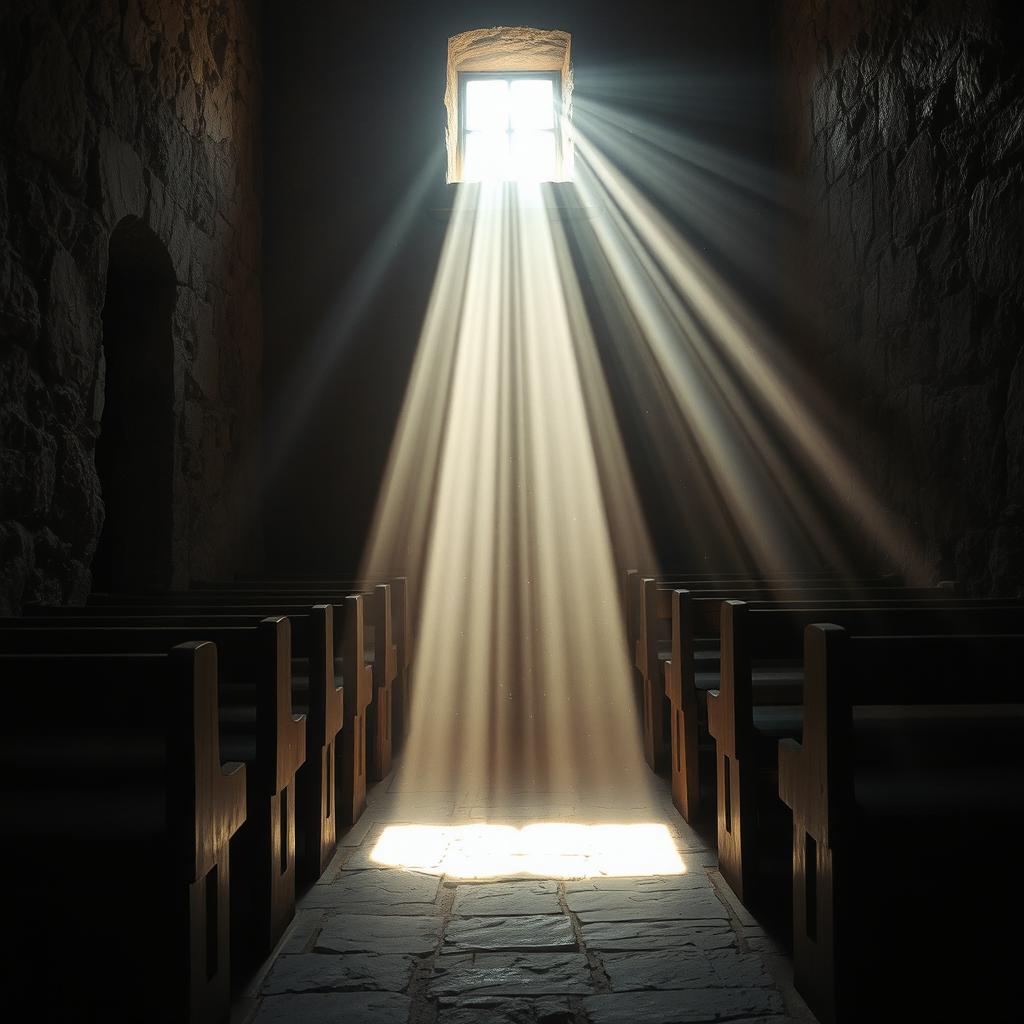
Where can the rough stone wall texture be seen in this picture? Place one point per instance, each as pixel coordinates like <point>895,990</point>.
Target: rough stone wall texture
<point>109,110</point>
<point>904,122</point>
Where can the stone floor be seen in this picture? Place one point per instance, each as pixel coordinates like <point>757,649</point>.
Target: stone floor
<point>422,943</point>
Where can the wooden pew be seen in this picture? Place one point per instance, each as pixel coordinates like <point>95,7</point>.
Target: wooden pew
<point>382,649</point>
<point>326,641</point>
<point>690,662</point>
<point>894,808</point>
<point>401,612</point>
<point>633,588</point>
<point>654,618</point>
<point>116,799</point>
<point>755,706</point>
<point>654,647</point>
<point>257,726</point>
<point>651,598</point>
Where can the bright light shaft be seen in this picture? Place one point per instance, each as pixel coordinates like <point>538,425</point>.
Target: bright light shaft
<point>761,442</point>
<point>495,490</point>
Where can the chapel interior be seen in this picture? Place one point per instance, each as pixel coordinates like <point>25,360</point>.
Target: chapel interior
<point>511,511</point>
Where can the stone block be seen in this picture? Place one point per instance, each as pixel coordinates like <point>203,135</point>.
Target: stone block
<point>28,469</point>
<point>377,892</point>
<point>639,886</point>
<point>355,972</point>
<point>19,302</point>
<point>695,1006</point>
<point>692,905</point>
<point>367,933</point>
<point>122,182</point>
<point>681,935</point>
<point>51,106</point>
<point>72,328</point>
<point>16,565</point>
<point>491,1009</point>
<point>673,969</point>
<point>333,1008</point>
<point>508,898</point>
<point>543,932</point>
<point>913,198</point>
<point>534,974</point>
<point>996,248</point>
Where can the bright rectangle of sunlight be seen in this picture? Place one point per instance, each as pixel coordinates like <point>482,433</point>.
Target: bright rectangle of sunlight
<point>543,849</point>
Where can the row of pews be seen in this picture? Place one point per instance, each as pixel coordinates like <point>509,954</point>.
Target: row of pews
<point>175,765</point>
<point>860,745</point>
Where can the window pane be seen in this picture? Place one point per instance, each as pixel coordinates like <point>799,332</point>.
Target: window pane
<point>533,156</point>
<point>532,103</point>
<point>486,156</point>
<point>486,105</point>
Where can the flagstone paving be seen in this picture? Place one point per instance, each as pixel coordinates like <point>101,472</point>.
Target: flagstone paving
<point>399,945</point>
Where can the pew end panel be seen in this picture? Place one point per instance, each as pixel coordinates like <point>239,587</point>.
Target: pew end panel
<point>729,723</point>
<point>881,712</point>
<point>385,668</point>
<point>654,613</point>
<point>217,796</point>
<point>94,750</point>
<point>317,819</point>
<point>402,697</point>
<point>358,693</point>
<point>812,786</point>
<point>681,694</point>
<point>280,753</point>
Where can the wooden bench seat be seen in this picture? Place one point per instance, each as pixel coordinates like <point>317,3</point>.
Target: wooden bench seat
<point>401,618</point>
<point>907,908</point>
<point>254,672</point>
<point>116,799</point>
<point>694,628</point>
<point>382,647</point>
<point>331,784</point>
<point>653,616</point>
<point>758,704</point>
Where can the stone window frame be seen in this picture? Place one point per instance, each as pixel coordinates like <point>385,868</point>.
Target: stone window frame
<point>508,50</point>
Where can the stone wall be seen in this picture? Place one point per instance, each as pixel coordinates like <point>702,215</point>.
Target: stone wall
<point>126,112</point>
<point>904,123</point>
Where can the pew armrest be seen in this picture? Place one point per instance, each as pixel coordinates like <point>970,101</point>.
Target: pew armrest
<point>673,687</point>
<point>233,773</point>
<point>715,710</point>
<point>790,771</point>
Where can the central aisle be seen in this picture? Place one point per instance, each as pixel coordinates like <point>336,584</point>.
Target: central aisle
<point>379,943</point>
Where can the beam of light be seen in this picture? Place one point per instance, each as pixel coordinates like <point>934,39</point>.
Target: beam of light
<point>543,849</point>
<point>508,495</point>
<point>743,402</point>
<point>505,484</point>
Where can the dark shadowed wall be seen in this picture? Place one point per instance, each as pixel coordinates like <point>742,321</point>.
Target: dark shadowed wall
<point>136,121</point>
<point>905,124</point>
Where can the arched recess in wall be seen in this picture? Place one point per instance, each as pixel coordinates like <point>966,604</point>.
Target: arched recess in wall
<point>135,449</point>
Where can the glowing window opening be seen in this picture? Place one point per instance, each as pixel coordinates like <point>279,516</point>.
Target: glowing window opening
<point>509,126</point>
<point>506,52</point>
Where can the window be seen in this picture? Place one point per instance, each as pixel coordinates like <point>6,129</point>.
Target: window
<point>509,126</point>
<point>508,105</point>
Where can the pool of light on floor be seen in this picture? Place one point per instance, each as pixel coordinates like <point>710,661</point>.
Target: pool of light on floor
<point>544,849</point>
